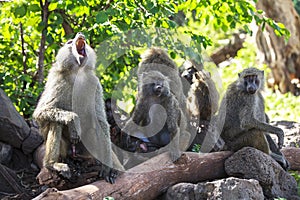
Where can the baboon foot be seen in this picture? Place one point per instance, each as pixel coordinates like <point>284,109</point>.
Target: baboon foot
<point>175,155</point>
<point>63,169</point>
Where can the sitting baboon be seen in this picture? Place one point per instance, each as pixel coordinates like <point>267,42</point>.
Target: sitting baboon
<point>156,59</point>
<point>157,117</point>
<point>203,97</point>
<point>242,114</point>
<point>61,111</point>
<point>202,100</point>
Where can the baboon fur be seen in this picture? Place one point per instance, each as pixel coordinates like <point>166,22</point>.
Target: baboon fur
<point>59,124</point>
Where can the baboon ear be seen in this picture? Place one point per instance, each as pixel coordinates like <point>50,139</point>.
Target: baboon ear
<point>239,74</point>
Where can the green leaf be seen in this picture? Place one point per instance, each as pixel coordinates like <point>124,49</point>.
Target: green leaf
<point>173,55</point>
<point>52,6</point>
<point>246,28</point>
<point>260,12</point>
<point>154,10</point>
<point>101,17</point>
<point>229,18</point>
<point>20,11</point>
<point>41,26</point>
<point>34,8</point>
<point>263,26</point>
<point>224,27</point>
<point>49,39</point>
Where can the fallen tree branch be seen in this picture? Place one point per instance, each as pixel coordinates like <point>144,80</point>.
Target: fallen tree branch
<point>151,178</point>
<point>230,50</point>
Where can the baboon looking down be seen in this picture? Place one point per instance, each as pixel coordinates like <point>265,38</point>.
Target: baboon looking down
<point>243,112</point>
<point>158,118</point>
<point>62,109</point>
<point>156,59</point>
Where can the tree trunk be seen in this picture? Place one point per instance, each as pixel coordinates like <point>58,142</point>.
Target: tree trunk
<point>283,58</point>
<point>40,64</point>
<point>151,178</point>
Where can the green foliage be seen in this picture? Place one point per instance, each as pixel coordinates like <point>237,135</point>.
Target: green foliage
<point>196,148</point>
<point>297,5</point>
<point>116,29</point>
<point>296,175</point>
<point>108,198</point>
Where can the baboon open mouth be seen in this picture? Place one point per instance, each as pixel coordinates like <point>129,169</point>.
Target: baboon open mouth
<point>80,46</point>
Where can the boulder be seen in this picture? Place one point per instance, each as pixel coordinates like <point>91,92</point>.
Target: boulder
<point>5,153</point>
<point>14,129</point>
<point>226,189</point>
<point>250,163</point>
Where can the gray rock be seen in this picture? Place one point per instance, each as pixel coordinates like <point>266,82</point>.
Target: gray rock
<point>250,163</point>
<point>13,127</point>
<point>5,153</point>
<point>14,130</point>
<point>225,189</point>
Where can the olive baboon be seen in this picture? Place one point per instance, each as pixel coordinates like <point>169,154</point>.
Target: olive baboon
<point>203,97</point>
<point>202,101</point>
<point>245,123</point>
<point>159,89</point>
<point>156,128</point>
<point>60,124</point>
<point>156,59</point>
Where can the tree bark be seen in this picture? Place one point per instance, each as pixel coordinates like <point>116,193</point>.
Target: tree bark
<point>45,15</point>
<point>230,50</point>
<point>283,58</point>
<point>151,178</point>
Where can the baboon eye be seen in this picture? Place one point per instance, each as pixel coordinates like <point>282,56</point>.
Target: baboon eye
<point>70,41</point>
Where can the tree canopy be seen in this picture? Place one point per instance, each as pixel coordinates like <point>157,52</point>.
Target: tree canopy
<point>33,31</point>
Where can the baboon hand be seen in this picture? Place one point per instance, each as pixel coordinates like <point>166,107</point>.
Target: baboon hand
<point>108,174</point>
<point>74,136</point>
<point>75,130</point>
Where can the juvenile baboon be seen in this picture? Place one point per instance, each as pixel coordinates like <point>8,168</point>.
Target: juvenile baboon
<point>243,112</point>
<point>61,121</point>
<point>157,118</point>
<point>203,97</point>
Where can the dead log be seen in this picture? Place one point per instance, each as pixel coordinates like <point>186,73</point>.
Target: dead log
<point>151,178</point>
<point>292,154</point>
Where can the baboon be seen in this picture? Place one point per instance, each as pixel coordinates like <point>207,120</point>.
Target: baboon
<point>156,59</point>
<point>202,100</point>
<point>63,123</point>
<point>203,97</point>
<point>149,122</point>
<point>243,112</point>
